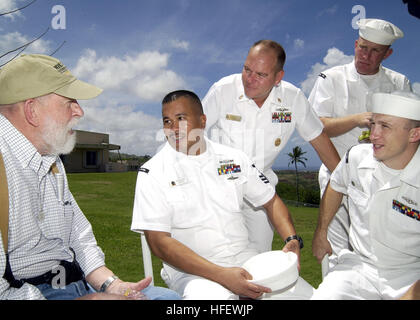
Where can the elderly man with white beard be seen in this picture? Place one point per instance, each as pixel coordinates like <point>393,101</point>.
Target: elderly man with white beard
<point>48,250</point>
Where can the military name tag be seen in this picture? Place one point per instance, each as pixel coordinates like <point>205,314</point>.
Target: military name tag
<point>233,117</point>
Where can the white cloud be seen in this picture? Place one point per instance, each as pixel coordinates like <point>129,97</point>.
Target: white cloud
<point>135,131</point>
<point>144,75</point>
<point>298,44</point>
<point>13,40</point>
<point>184,45</point>
<point>10,5</point>
<point>334,57</point>
<point>329,11</point>
<point>127,82</point>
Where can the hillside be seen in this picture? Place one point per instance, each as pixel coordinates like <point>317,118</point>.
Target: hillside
<point>308,186</point>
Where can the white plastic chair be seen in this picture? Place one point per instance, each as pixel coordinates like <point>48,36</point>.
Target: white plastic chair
<point>147,258</point>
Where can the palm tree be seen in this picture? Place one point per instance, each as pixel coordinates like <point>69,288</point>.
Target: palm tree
<point>297,157</point>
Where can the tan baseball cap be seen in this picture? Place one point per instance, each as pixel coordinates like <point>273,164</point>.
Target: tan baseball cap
<point>35,75</point>
<point>379,31</point>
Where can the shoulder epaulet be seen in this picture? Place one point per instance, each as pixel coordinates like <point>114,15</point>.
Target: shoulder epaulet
<point>322,75</point>
<point>145,170</point>
<point>347,154</point>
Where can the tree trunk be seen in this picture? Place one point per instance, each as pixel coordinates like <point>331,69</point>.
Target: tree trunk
<point>297,183</point>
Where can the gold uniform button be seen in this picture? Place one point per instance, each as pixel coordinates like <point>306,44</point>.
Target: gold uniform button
<point>277,142</point>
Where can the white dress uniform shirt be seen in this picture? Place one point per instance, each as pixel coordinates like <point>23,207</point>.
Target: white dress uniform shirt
<point>198,199</point>
<point>385,227</point>
<point>341,91</point>
<point>43,225</point>
<point>235,120</point>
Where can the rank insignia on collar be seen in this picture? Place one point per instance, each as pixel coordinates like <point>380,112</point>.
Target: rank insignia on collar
<point>402,208</point>
<point>281,117</point>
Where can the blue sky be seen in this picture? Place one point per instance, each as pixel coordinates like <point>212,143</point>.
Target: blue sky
<point>138,50</point>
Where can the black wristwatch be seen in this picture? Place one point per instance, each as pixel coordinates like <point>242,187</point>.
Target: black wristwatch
<point>295,237</point>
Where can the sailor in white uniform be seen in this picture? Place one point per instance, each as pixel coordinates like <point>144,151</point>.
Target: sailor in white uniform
<point>341,98</point>
<point>257,112</point>
<point>188,203</point>
<point>382,182</point>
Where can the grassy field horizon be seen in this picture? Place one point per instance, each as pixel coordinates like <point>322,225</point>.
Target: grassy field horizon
<point>107,201</point>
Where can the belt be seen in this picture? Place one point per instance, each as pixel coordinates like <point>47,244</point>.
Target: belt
<point>72,273</point>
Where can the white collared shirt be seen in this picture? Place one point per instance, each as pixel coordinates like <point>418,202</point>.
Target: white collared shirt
<point>198,199</point>
<point>42,224</point>
<point>235,120</point>
<point>340,91</point>
<point>385,219</point>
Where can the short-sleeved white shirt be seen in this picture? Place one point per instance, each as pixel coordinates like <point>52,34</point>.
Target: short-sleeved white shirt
<point>198,200</point>
<point>385,218</point>
<point>235,120</point>
<point>341,91</point>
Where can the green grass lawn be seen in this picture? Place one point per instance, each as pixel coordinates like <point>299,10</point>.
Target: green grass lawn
<point>107,201</point>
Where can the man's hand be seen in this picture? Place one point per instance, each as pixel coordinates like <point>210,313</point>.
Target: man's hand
<point>120,290</point>
<point>363,119</point>
<point>236,280</point>
<point>293,246</point>
<point>320,245</point>
<point>129,289</point>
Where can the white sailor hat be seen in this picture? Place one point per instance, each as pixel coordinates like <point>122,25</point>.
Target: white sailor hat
<point>379,31</point>
<point>273,269</point>
<point>399,104</point>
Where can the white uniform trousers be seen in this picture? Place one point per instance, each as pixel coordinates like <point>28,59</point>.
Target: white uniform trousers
<point>192,287</point>
<point>354,279</point>
<point>197,288</point>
